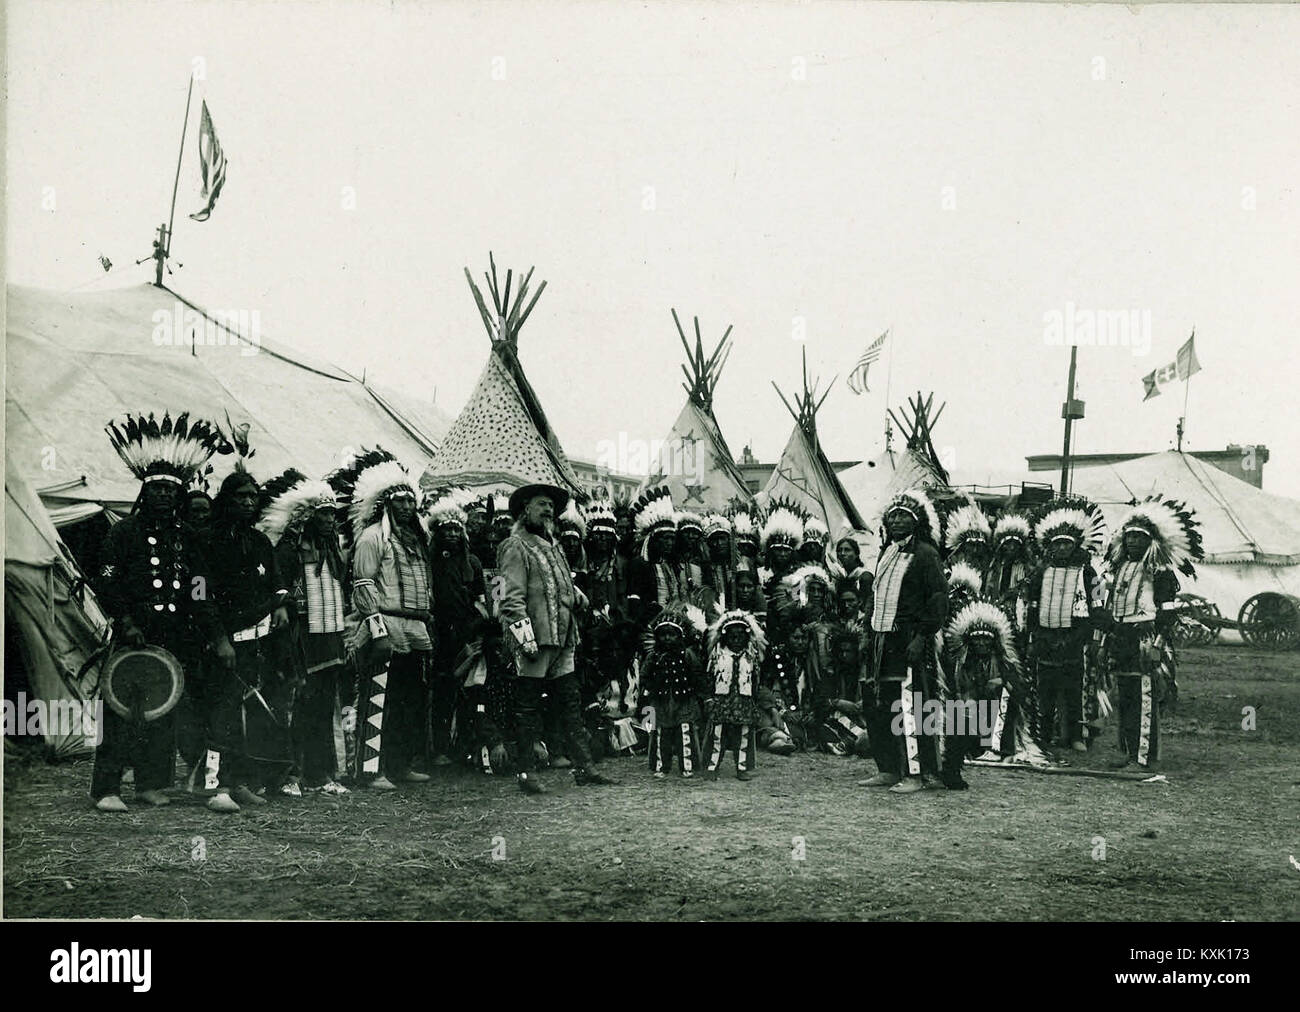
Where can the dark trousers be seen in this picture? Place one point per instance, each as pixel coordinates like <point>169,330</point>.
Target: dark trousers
<point>563,693</point>
<point>406,710</point>
<point>444,694</point>
<point>1139,718</point>
<point>148,748</point>
<point>895,751</point>
<point>192,721</point>
<point>250,730</point>
<point>956,748</point>
<point>1060,696</point>
<point>313,727</point>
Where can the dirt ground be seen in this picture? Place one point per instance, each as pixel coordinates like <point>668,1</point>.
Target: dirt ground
<point>800,841</point>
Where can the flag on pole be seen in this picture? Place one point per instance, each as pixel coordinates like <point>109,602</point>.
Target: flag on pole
<point>212,165</point>
<point>1183,367</point>
<point>857,379</point>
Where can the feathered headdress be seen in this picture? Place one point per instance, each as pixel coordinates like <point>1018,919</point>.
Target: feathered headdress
<point>715,522</point>
<point>344,479</point>
<point>683,615</point>
<point>967,524</point>
<point>653,511</point>
<point>783,526</point>
<point>917,503</point>
<point>499,510</point>
<point>166,451</point>
<point>449,506</point>
<point>815,530</point>
<point>745,524</point>
<point>571,520</point>
<point>983,619</point>
<point>374,487</point>
<point>1075,518</point>
<point>239,440</point>
<point>688,518</point>
<point>291,498</point>
<point>600,517</point>
<point>1172,527</point>
<point>964,582</point>
<point>757,648</point>
<point>798,581</point>
<point>1012,525</point>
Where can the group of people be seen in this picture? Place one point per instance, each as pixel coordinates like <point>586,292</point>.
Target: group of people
<point>357,629</point>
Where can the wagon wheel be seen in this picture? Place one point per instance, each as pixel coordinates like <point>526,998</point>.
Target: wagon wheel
<point>1270,621</point>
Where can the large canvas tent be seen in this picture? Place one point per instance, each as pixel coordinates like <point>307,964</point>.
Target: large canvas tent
<point>694,461</point>
<point>501,438</point>
<point>804,474</point>
<point>53,625</point>
<point>75,361</point>
<point>1251,538</point>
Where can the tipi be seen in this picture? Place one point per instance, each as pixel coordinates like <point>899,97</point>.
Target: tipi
<point>803,474</point>
<point>872,483</point>
<point>501,438</point>
<point>694,461</point>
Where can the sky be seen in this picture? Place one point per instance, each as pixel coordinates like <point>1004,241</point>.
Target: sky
<point>811,174</point>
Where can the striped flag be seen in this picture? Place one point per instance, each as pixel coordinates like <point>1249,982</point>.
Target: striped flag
<point>857,379</point>
<point>1181,368</point>
<point>212,165</point>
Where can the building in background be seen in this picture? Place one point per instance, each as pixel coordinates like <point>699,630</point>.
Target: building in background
<point>1243,462</point>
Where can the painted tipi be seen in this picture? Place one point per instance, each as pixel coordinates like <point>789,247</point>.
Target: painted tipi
<point>694,461</point>
<point>804,474</point>
<point>501,438</point>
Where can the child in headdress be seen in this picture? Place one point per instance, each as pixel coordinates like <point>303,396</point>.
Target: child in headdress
<point>673,686</point>
<point>736,649</point>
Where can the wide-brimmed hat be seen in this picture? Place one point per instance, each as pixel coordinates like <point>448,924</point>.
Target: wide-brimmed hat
<point>520,497</point>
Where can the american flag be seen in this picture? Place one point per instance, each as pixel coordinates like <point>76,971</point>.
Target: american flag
<point>857,379</point>
<point>212,165</point>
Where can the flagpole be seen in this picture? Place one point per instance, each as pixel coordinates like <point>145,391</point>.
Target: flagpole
<point>889,375</point>
<point>177,182</point>
<point>1187,386</point>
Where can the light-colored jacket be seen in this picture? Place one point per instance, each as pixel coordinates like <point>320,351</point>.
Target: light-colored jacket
<point>535,590</point>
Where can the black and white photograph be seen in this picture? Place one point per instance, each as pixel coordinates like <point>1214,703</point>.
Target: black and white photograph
<point>694,461</point>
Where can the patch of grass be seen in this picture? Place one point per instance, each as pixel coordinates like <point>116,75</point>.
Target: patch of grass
<point>798,842</point>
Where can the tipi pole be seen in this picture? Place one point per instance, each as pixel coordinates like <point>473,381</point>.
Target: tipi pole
<point>171,220</point>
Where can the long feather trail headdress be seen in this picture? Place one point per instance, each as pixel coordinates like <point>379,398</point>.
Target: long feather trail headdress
<point>166,451</point>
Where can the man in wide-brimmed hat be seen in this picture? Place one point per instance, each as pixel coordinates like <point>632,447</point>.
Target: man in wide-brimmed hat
<point>538,604</point>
